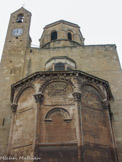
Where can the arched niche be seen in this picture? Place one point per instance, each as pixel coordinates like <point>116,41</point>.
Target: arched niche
<point>23,124</point>
<point>94,120</point>
<point>59,127</point>
<point>52,112</point>
<point>91,96</point>
<point>57,92</point>
<point>24,98</point>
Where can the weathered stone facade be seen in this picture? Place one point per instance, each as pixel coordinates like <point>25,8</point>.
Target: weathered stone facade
<point>63,115</point>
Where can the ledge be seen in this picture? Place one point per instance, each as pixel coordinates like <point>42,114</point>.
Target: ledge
<point>58,144</point>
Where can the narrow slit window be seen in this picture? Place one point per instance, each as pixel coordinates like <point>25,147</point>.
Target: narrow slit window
<point>69,36</point>
<point>53,35</point>
<point>3,122</point>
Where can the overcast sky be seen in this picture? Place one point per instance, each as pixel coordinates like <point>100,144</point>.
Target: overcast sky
<point>100,20</point>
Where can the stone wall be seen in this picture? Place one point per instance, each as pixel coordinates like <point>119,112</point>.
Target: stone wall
<point>63,113</point>
<point>99,60</point>
<point>19,61</point>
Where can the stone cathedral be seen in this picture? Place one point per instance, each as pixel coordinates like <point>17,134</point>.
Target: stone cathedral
<point>61,102</point>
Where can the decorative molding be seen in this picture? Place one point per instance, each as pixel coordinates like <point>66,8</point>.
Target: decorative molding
<point>55,79</point>
<point>105,104</point>
<point>95,86</point>
<point>38,97</point>
<point>62,59</point>
<point>14,107</point>
<point>77,96</point>
<point>21,90</point>
<point>64,112</point>
<point>46,75</point>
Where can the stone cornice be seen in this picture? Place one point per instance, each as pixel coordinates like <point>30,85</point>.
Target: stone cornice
<point>51,74</point>
<point>60,57</point>
<point>78,44</point>
<point>63,22</point>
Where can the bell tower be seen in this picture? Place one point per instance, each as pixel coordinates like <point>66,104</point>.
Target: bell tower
<point>12,66</point>
<point>18,29</point>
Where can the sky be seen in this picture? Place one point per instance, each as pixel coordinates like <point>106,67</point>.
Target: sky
<point>100,21</point>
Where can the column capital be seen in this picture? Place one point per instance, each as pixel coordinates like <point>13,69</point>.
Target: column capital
<point>13,107</point>
<point>38,97</point>
<point>77,96</point>
<point>105,103</point>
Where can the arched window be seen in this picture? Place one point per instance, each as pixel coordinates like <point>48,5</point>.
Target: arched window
<point>53,35</point>
<point>69,36</point>
<point>59,67</point>
<point>60,63</point>
<point>20,18</point>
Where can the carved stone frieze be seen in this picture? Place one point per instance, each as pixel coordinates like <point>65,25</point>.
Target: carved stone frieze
<point>60,76</point>
<point>77,96</point>
<point>38,97</point>
<point>13,107</point>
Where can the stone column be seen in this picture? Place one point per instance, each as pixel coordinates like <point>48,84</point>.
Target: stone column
<point>106,106</point>
<point>13,108</point>
<point>38,99</point>
<point>77,99</point>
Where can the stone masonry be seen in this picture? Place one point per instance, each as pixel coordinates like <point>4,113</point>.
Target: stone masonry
<point>34,95</point>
